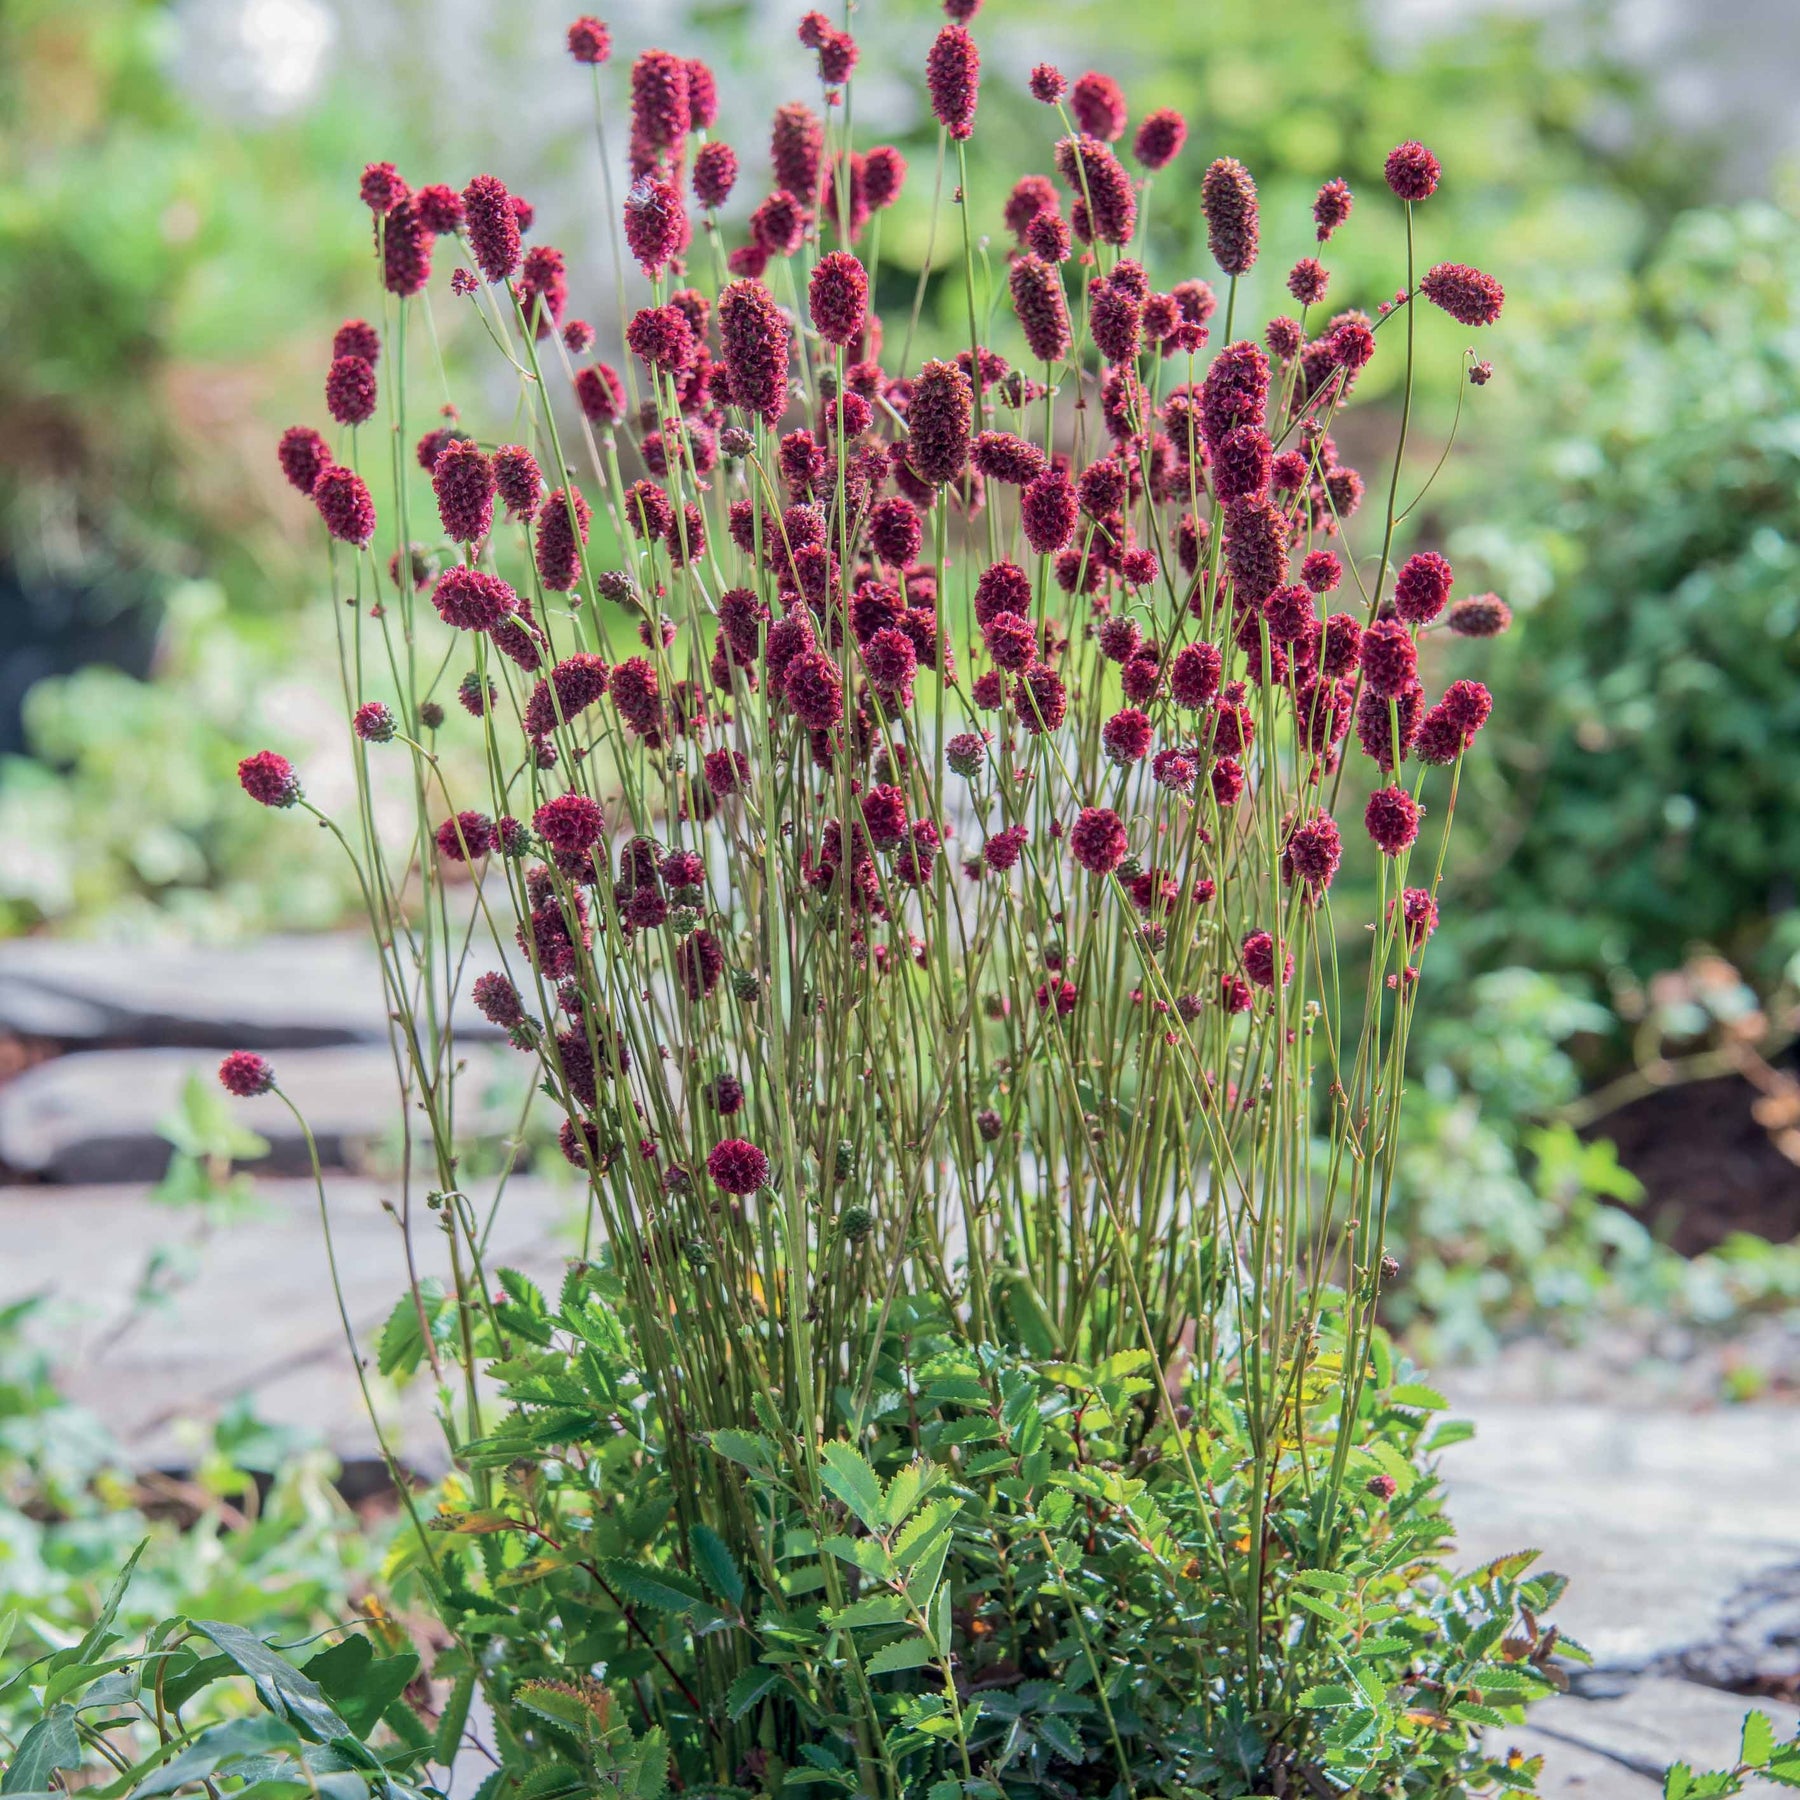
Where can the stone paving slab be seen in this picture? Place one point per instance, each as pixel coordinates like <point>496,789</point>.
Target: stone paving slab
<point>1571,1772</point>
<point>158,1317</point>
<point>96,1115</point>
<point>1657,1518</point>
<point>275,993</point>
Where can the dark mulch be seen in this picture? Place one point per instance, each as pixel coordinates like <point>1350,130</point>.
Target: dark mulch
<point>1707,1166</point>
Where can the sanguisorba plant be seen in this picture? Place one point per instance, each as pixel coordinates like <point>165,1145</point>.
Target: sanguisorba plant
<point>925,934</point>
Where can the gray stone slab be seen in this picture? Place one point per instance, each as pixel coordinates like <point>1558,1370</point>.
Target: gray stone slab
<point>274,993</point>
<point>1658,1721</point>
<point>97,1116</point>
<point>1571,1772</point>
<point>159,1317</point>
<point>1657,1518</point>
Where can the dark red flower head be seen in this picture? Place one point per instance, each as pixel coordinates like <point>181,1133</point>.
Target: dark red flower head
<point>1048,83</point>
<point>661,110</point>
<point>440,209</point>
<point>1392,817</point>
<point>382,189</point>
<point>1228,199</point>
<point>839,297</point>
<point>466,838</point>
<point>1412,171</point>
<point>1047,512</point>
<point>754,339</point>
<point>1314,852</point>
<point>703,96</point>
<point>1105,204</point>
<point>1042,308</point>
<point>715,173</point>
<point>589,40</point>
<point>1483,616</point>
<point>350,390</point>
<point>471,599</point>
<point>1259,960</point>
<point>373,723</point>
<point>493,227</point>
<point>556,548</point>
<point>884,174</point>
<point>357,337</point>
<point>953,79</point>
<point>738,1166</point>
<point>939,418</point>
<point>797,150</point>
<point>601,393</point>
<point>269,779</point>
<point>246,1074</point>
<point>344,504</point>
<point>463,480</point>
<point>1097,840</point>
<point>1422,588</point>
<point>1160,138</point>
<point>655,225</point>
<point>517,480</point>
<point>1390,660</point>
<point>571,824</point>
<point>1332,207</point>
<point>304,456</point>
<point>1468,296</point>
<point>1098,103</point>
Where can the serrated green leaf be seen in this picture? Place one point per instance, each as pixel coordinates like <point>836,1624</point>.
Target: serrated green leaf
<point>447,1739</point>
<point>849,1478</point>
<point>749,1688</point>
<point>904,1653</point>
<point>1415,1394</point>
<point>717,1566</point>
<point>1757,1744</point>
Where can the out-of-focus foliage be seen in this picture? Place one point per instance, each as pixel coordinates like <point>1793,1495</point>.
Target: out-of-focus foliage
<point>1642,791</point>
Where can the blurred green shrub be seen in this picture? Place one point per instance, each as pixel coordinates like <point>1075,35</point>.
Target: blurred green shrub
<point>1645,743</point>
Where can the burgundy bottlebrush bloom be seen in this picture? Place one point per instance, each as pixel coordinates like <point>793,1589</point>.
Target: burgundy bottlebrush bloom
<point>1379,722</point>
<point>1011,641</point>
<point>1030,196</point>
<point>463,480</point>
<point>1001,587</point>
<point>1420,913</point>
<point>1227,781</point>
<point>1390,659</point>
<point>938,418</point>
<point>1235,392</point>
<point>648,513</point>
<point>1340,645</point>
<point>661,337</point>
<point>891,659</point>
<point>814,690</point>
<point>797,150</point>
<point>778,225</point>
<point>1001,851</point>
<point>884,815</point>
<point>1332,207</point>
<point>497,1000</point>
<point>1160,138</point>
<point>1041,702</point>
<point>1047,512</point>
<point>574,685</point>
<point>373,723</point>
<point>571,824</point>
<point>953,80</point>
<point>1047,83</point>
<point>1259,960</point>
<point>1422,588</point>
<point>655,225</point>
<point>431,444</point>
<point>701,963</point>
<point>715,173</point>
<point>1241,465</point>
<point>1048,238</point>
<point>1468,296</point>
<point>543,287</point>
<point>1097,840</point>
<point>1005,456</point>
<point>1307,281</point>
<point>1228,200</point>
<point>661,110</point>
<point>1118,637</point>
<point>1392,817</point>
<point>589,40</point>
<point>703,96</point>
<point>726,772</point>
<point>1141,678</point>
<point>557,545</point>
<point>381,188</point>
<point>600,393</point>
<point>344,504</point>
<point>1482,616</point>
<point>884,174</point>
<point>965,753</point>
<point>1194,675</point>
<point>738,1166</point>
<point>269,779</point>
<point>896,531</point>
<point>754,338</point>
<point>357,337</point>
<point>1412,171</point>
<point>517,480</point>
<point>493,227</point>
<point>471,599</point>
<point>1255,550</point>
<point>350,390</point>
<point>1042,308</point>
<point>466,838</point>
<point>1314,852</point>
<point>1467,704</point>
<point>1098,103</point>
<point>1321,571</point>
<point>1106,207</point>
<point>246,1074</point>
<point>440,209</point>
<point>1115,320</point>
<point>838,297</point>
<point>1125,737</point>
<point>304,456</point>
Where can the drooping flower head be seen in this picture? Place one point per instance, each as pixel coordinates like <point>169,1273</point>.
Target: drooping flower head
<point>1467,295</point>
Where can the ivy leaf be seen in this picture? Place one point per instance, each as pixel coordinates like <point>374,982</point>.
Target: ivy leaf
<point>50,1744</point>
